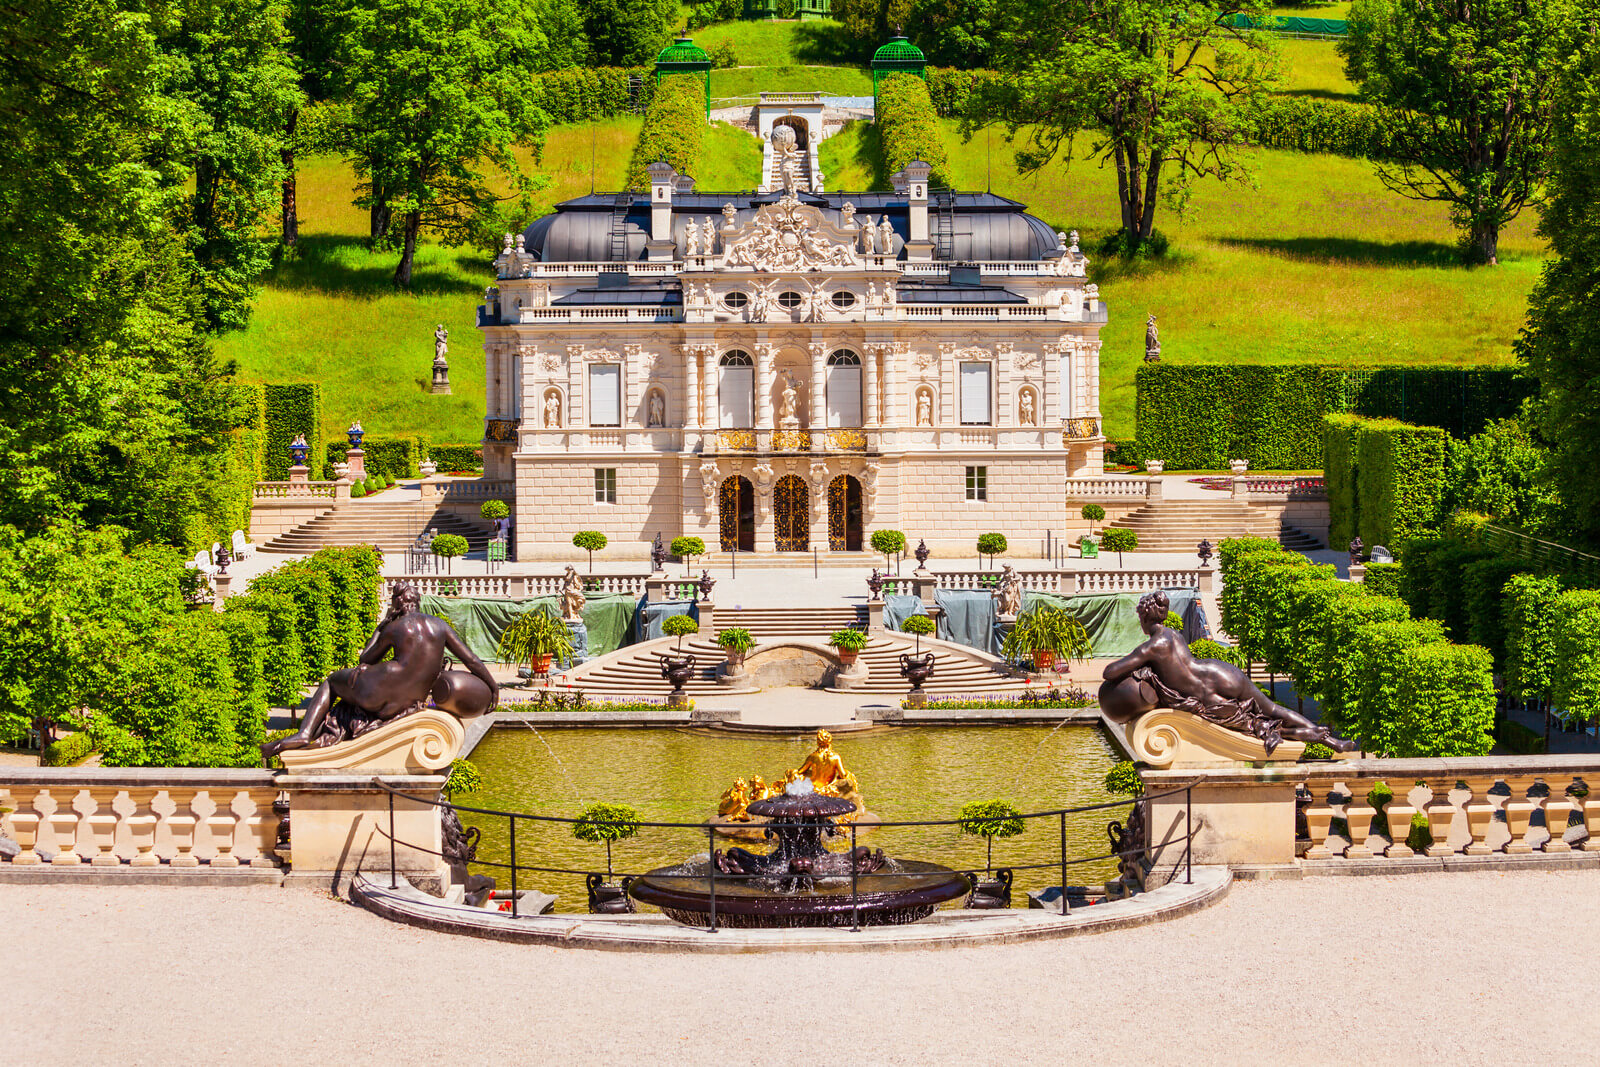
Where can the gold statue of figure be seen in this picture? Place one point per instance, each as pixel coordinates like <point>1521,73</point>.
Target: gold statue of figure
<point>735,800</point>
<point>823,766</point>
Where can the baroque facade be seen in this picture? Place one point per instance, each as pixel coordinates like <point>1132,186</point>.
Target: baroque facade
<point>790,370</point>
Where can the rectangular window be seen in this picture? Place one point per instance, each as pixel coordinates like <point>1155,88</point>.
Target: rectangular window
<point>605,485</point>
<point>605,394</point>
<point>977,483</point>
<point>735,389</point>
<point>1064,382</point>
<point>844,395</point>
<point>975,394</point>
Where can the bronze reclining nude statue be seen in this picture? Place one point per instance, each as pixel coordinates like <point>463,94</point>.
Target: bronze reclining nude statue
<point>1162,673</point>
<point>357,699</point>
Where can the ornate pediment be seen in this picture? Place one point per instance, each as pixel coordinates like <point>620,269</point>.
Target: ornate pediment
<point>789,236</point>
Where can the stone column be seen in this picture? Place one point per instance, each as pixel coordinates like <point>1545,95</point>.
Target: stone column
<point>691,390</point>
<point>891,386</point>
<point>817,402</point>
<point>869,385</point>
<point>1049,371</point>
<point>708,368</point>
<point>763,387</point>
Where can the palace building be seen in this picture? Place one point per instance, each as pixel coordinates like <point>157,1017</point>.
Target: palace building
<point>790,370</point>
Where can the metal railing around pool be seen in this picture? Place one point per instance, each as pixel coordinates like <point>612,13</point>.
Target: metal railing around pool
<point>1130,846</point>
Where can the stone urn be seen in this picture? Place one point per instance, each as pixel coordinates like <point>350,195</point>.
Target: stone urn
<point>428,468</point>
<point>1238,466</point>
<point>916,669</point>
<point>677,670</point>
<point>1155,466</point>
<point>341,471</point>
<point>733,671</point>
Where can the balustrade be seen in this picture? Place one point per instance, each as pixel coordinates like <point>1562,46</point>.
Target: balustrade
<point>1106,488</point>
<point>117,818</point>
<point>294,490</point>
<point>502,586</point>
<point>1067,580</point>
<point>467,490</point>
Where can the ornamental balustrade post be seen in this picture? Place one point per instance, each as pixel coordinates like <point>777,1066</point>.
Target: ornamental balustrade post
<point>64,825</point>
<point>1557,806</point>
<point>102,825</point>
<point>142,828</point>
<point>1441,819</point>
<point>1480,816</point>
<point>222,823</point>
<point>1397,814</point>
<point>1519,816</point>
<point>181,824</point>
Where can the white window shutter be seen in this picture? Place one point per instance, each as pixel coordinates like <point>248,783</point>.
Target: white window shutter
<point>735,393</point>
<point>844,396</point>
<point>605,394</point>
<point>975,394</point>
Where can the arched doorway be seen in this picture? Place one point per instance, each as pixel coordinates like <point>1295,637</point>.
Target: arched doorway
<point>844,514</point>
<point>736,513</point>
<point>791,514</point>
<point>801,128</point>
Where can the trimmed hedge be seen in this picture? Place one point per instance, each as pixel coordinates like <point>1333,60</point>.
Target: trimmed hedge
<point>674,129</point>
<point>1530,605</point>
<point>456,457</point>
<point>1300,124</point>
<point>1401,471</point>
<point>1379,656</point>
<point>1444,703</point>
<point>227,497</point>
<point>291,409</point>
<point>284,666</point>
<point>1198,416</point>
<point>909,127</point>
<point>1339,436</point>
<point>1575,676</point>
<point>1341,680</point>
<point>247,654</point>
<point>392,457</point>
<point>582,94</point>
<point>1383,579</point>
<point>1484,583</point>
<point>73,748</point>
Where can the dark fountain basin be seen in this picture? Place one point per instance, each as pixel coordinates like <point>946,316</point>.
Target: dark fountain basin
<point>800,883</point>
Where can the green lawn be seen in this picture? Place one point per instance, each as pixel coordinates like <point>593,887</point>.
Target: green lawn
<point>732,160</point>
<point>1314,68</point>
<point>1320,263</point>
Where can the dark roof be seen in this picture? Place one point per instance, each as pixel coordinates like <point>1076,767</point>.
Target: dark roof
<point>911,293</point>
<point>634,294</point>
<point>608,227</point>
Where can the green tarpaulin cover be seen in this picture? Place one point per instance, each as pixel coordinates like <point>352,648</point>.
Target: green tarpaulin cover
<point>1113,621</point>
<point>481,620</point>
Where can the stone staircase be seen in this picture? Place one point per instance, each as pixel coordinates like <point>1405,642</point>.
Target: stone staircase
<point>811,623</point>
<point>635,671</point>
<point>390,526</point>
<point>1178,525</point>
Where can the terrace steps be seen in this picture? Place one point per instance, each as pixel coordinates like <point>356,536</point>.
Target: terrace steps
<point>390,526</point>
<point>1178,525</point>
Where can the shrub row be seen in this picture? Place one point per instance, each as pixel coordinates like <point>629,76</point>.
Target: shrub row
<point>73,748</point>
<point>909,126</point>
<point>1392,681</point>
<point>582,94</point>
<point>392,457</point>
<point>290,409</point>
<point>674,129</point>
<point>1400,474</point>
<point>456,457</point>
<point>319,612</point>
<point>1198,416</point>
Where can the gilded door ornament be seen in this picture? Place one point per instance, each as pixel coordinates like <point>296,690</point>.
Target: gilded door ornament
<point>1081,430</point>
<point>728,513</point>
<point>791,514</point>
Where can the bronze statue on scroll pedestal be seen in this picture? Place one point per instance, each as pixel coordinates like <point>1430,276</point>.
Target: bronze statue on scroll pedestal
<point>1162,673</point>
<point>376,691</point>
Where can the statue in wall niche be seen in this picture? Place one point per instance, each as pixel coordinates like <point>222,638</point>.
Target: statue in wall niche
<point>572,599</point>
<point>1162,673</point>
<point>787,404</point>
<point>655,411</point>
<point>1009,594</point>
<point>924,408</point>
<point>376,691</point>
<point>1025,413</point>
<point>552,409</point>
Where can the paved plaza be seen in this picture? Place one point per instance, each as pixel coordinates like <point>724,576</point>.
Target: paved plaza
<point>1449,968</point>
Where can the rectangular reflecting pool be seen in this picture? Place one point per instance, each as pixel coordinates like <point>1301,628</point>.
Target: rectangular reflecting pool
<point>677,775</point>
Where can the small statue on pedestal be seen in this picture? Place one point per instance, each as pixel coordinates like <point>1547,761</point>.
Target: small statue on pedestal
<point>441,366</point>
<point>658,556</point>
<point>1356,548</point>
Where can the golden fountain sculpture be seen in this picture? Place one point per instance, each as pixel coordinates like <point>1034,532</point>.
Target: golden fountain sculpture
<point>823,766</point>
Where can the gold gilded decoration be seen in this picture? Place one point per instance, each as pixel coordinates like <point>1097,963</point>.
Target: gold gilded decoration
<point>847,441</point>
<point>1080,430</point>
<point>823,766</point>
<point>736,441</point>
<point>838,496</point>
<point>791,441</point>
<point>728,513</point>
<point>501,429</point>
<point>791,512</point>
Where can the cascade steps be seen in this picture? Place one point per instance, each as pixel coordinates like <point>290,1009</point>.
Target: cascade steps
<point>1178,525</point>
<point>390,526</point>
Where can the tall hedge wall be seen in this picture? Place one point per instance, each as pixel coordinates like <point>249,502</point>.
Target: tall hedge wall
<point>291,409</point>
<point>581,94</point>
<point>225,505</point>
<point>1401,471</point>
<point>1339,469</point>
<point>910,127</point>
<point>392,457</point>
<point>456,457</point>
<point>674,129</point>
<point>1197,416</point>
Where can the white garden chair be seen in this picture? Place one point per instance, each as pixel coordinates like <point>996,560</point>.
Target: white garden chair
<point>241,547</point>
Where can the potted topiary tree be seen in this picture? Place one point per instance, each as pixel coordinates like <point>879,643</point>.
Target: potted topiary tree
<point>687,548</point>
<point>991,819</point>
<point>1047,634</point>
<point>677,669</point>
<point>493,510</point>
<point>1113,539</point>
<point>608,823</point>
<point>849,643</point>
<point>736,642</point>
<point>888,543</point>
<point>591,541</point>
<point>991,545</point>
<point>680,626</point>
<point>449,546</point>
<point>1092,514</point>
<point>917,668</point>
<point>536,638</point>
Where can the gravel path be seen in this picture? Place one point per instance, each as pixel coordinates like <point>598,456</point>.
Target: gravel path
<point>1441,968</point>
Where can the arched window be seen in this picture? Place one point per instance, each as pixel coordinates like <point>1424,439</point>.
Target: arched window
<point>844,388</point>
<point>736,386</point>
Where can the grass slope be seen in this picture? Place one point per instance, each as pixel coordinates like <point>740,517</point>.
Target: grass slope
<point>1319,264</point>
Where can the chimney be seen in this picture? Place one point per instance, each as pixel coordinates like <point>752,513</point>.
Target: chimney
<point>918,247</point>
<point>661,247</point>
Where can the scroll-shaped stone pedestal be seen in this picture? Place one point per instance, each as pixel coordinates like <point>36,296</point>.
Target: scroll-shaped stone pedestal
<point>1168,739</point>
<point>340,820</point>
